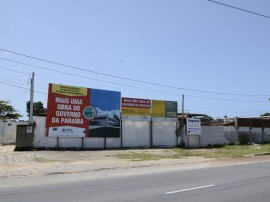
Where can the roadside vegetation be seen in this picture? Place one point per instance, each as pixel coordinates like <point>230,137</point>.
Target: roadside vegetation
<point>227,151</point>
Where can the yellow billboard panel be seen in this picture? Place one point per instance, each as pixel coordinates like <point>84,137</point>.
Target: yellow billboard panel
<point>69,90</point>
<point>158,108</point>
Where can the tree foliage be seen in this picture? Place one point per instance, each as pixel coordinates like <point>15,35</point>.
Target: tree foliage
<point>265,114</point>
<point>38,109</point>
<point>7,111</point>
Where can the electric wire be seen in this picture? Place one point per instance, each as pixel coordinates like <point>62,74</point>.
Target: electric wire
<point>237,8</point>
<point>202,109</point>
<point>125,78</point>
<point>141,88</point>
<point>14,71</point>
<point>9,84</point>
<point>19,96</point>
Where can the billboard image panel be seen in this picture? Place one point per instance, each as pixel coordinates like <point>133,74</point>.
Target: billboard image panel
<point>107,120</point>
<point>136,107</point>
<point>82,112</point>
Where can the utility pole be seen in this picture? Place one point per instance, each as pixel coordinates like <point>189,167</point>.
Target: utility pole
<point>31,99</point>
<point>182,122</point>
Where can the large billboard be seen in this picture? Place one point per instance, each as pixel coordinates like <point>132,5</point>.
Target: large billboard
<point>161,108</point>
<point>136,107</point>
<point>82,112</point>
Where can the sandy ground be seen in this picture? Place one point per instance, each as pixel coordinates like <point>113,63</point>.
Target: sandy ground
<point>47,162</point>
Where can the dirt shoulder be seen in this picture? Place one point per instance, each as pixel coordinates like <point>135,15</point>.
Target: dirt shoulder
<point>47,162</point>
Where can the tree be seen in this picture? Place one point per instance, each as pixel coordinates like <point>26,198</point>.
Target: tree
<point>38,109</point>
<point>7,111</point>
<point>266,114</point>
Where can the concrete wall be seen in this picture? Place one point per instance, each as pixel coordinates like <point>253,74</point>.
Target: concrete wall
<point>230,134</point>
<point>41,141</point>
<point>212,135</point>
<point>258,135</point>
<point>219,135</point>
<point>136,133</point>
<point>1,132</point>
<point>8,132</point>
<point>164,133</point>
<point>266,135</point>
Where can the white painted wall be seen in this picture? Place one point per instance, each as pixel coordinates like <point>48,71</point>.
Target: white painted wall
<point>40,140</point>
<point>136,133</point>
<point>266,135</point>
<point>8,132</point>
<point>164,133</point>
<point>1,132</point>
<point>212,135</point>
<point>230,134</point>
<point>258,135</point>
<point>94,142</point>
<point>113,142</point>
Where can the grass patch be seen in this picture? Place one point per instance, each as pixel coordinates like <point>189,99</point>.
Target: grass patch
<point>142,156</point>
<point>228,151</point>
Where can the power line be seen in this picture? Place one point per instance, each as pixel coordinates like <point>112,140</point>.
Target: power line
<point>9,84</point>
<point>129,79</point>
<point>85,77</point>
<point>131,86</point>
<point>14,71</point>
<point>47,94</point>
<point>19,96</point>
<point>209,98</point>
<point>239,9</point>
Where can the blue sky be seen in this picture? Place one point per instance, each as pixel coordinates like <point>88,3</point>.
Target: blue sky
<point>212,50</point>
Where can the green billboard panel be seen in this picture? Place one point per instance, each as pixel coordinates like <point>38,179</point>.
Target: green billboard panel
<point>170,109</point>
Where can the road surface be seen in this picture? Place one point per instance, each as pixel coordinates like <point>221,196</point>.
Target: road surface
<point>241,182</point>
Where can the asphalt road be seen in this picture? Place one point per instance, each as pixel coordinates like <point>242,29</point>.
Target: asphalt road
<point>242,182</point>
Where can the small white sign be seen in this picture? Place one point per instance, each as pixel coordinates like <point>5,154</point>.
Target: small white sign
<point>29,129</point>
<point>193,126</point>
